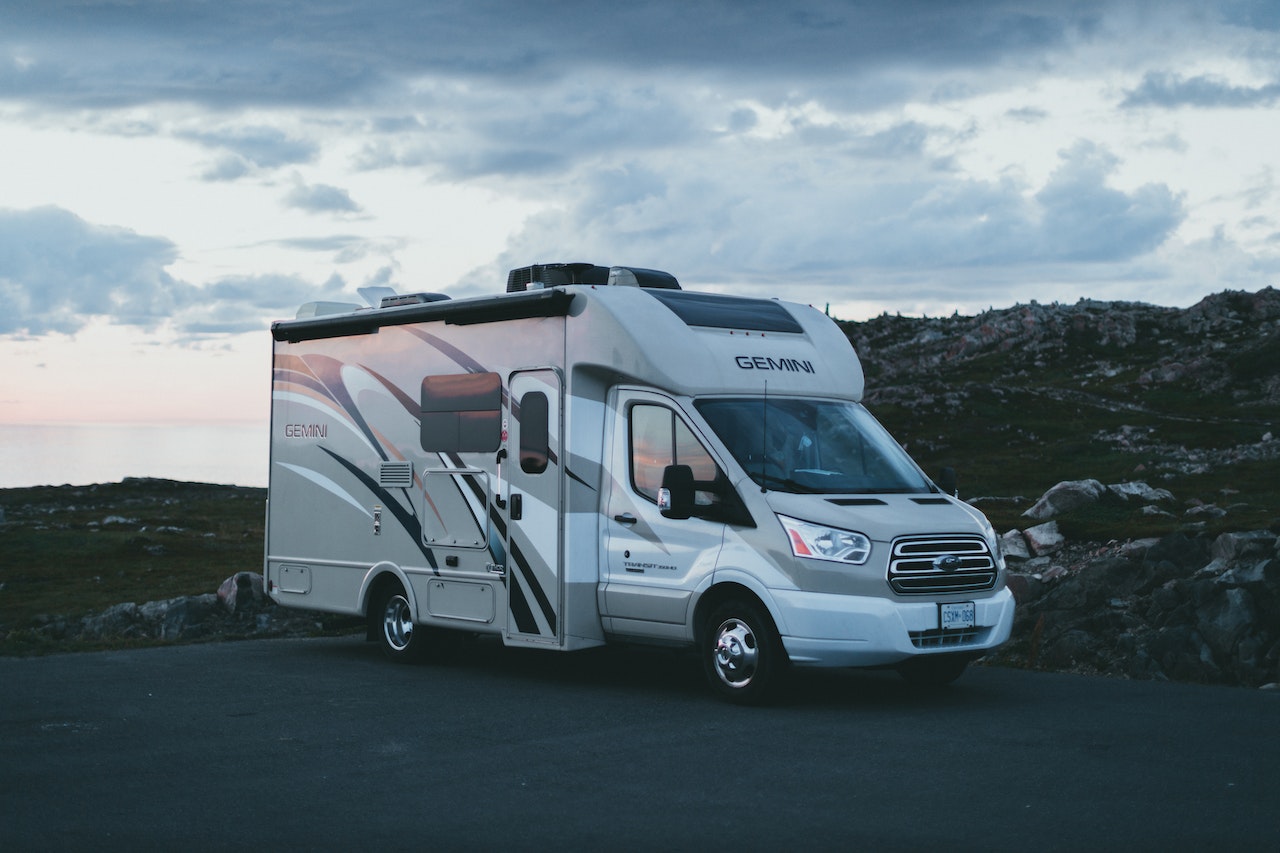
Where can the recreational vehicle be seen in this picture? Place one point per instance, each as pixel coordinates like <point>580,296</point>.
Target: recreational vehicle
<point>597,455</point>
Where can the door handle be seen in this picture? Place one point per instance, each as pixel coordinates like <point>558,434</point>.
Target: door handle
<point>625,518</point>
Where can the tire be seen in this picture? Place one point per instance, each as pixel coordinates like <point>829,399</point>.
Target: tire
<point>401,640</point>
<point>934,670</point>
<point>742,653</point>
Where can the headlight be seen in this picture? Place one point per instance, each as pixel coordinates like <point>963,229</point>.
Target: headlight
<point>816,542</point>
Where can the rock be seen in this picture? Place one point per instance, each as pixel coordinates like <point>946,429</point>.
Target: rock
<point>120,620</point>
<point>1044,539</point>
<point>1065,497</point>
<point>1024,587</point>
<point>1185,553</point>
<point>1014,546</point>
<point>242,591</point>
<point>1238,546</point>
<point>1253,575</point>
<point>1140,491</point>
<point>1224,621</point>
<point>1137,548</point>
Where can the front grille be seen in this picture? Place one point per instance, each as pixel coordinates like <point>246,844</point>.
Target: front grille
<point>937,638</point>
<point>941,565</point>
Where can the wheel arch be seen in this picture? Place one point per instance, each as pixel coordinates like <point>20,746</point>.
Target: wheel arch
<point>377,581</point>
<point>723,591</point>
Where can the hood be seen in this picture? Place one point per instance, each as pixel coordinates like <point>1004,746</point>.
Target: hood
<point>882,517</point>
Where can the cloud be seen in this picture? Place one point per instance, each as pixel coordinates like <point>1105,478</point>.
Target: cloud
<point>321,198</point>
<point>1162,89</point>
<point>58,272</point>
<point>716,219</point>
<point>311,52</point>
<point>1085,220</point>
<point>250,147</point>
<point>239,304</point>
<point>822,142</point>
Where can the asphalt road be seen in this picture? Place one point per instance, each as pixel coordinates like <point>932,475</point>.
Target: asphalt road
<point>319,744</point>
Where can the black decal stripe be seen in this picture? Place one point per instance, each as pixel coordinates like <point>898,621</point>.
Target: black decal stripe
<point>410,523</point>
<point>525,622</point>
<point>526,571</point>
<point>577,479</point>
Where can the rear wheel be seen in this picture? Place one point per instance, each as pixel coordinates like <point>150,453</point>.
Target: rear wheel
<point>741,653</point>
<point>401,640</point>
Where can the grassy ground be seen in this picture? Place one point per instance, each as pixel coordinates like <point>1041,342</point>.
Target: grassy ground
<point>72,551</point>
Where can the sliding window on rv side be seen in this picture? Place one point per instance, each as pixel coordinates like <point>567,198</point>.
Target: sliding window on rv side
<point>461,413</point>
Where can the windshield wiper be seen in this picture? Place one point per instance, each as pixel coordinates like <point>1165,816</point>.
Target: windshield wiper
<point>787,484</point>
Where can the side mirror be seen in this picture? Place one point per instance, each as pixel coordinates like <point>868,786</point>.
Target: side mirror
<point>947,481</point>
<point>675,498</point>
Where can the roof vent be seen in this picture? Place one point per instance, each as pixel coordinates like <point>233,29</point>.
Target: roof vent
<point>553,275</point>
<point>411,299</point>
<point>320,309</point>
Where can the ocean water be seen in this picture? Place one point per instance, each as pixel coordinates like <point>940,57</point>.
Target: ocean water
<point>83,454</point>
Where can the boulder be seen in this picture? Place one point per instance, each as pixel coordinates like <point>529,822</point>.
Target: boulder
<point>1239,546</point>
<point>1225,620</point>
<point>1140,491</point>
<point>1014,546</point>
<point>1044,539</point>
<point>242,591</point>
<point>1065,497</point>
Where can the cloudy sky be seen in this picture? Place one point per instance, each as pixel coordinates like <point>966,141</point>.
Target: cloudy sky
<point>175,175</point>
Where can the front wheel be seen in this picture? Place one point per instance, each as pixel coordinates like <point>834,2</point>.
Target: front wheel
<point>401,640</point>
<point>742,653</point>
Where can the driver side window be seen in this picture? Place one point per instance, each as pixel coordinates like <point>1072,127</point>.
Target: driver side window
<point>660,438</point>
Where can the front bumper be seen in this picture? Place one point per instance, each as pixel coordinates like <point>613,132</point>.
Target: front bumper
<point>824,630</point>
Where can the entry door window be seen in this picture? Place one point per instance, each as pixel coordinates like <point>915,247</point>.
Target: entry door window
<point>658,439</point>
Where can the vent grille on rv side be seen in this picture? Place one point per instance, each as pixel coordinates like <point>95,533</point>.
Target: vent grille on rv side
<point>395,475</point>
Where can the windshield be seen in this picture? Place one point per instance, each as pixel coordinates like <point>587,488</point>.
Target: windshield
<point>812,446</point>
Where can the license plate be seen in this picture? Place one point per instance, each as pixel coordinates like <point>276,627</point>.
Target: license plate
<point>961,615</point>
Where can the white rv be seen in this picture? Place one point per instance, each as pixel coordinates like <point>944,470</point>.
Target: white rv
<point>597,455</point>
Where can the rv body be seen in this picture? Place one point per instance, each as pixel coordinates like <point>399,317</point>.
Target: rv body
<point>597,455</point>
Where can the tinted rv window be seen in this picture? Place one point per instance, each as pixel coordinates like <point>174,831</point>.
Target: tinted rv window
<point>658,439</point>
<point>535,433</point>
<point>461,413</point>
<point>727,312</point>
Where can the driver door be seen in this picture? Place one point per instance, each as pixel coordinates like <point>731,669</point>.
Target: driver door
<point>653,564</point>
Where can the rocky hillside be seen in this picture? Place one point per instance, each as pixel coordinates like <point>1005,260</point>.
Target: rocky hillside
<point>1021,398</point>
<point>1172,570</point>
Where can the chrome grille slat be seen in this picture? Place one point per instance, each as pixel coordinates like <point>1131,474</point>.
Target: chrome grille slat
<point>912,570</point>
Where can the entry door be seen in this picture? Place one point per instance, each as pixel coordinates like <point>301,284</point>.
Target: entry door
<point>653,563</point>
<point>532,494</point>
